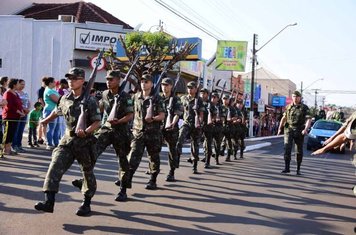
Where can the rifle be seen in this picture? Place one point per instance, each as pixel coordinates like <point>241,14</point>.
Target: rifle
<point>210,119</point>
<point>154,93</point>
<point>220,98</point>
<point>113,111</point>
<point>197,123</point>
<point>82,120</point>
<point>170,104</point>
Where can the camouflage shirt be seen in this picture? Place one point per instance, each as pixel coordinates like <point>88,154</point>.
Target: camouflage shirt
<point>296,116</point>
<point>176,107</point>
<point>188,106</point>
<point>125,106</point>
<point>140,110</point>
<point>69,107</point>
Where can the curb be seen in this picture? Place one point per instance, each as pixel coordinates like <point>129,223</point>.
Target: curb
<point>248,148</point>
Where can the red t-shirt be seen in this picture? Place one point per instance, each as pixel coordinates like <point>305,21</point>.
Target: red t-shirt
<point>13,104</point>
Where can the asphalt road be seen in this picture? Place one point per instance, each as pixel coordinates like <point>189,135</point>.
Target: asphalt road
<point>247,196</point>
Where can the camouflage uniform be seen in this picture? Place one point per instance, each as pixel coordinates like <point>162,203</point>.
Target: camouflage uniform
<point>239,134</point>
<point>217,132</point>
<point>208,131</point>
<point>171,136</point>
<point>146,135</point>
<point>119,135</point>
<point>228,131</point>
<point>72,147</point>
<point>296,116</point>
<point>188,127</point>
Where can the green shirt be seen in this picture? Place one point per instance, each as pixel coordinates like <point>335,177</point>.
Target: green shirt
<point>34,118</point>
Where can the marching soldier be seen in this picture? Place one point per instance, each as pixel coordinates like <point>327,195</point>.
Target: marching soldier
<point>228,128</point>
<point>207,127</point>
<point>192,119</point>
<point>296,122</point>
<point>218,126</point>
<point>146,132</point>
<point>116,130</point>
<point>78,145</point>
<point>240,132</point>
<point>170,133</point>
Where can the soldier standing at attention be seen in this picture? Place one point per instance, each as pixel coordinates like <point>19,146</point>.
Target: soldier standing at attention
<point>296,121</point>
<point>115,131</point>
<point>191,112</point>
<point>170,134</point>
<point>80,146</point>
<point>146,132</point>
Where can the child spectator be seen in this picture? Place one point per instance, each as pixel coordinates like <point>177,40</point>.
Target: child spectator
<point>34,118</point>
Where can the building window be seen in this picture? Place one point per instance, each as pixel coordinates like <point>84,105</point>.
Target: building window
<point>0,63</point>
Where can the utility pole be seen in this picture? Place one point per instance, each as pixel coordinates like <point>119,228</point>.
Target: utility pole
<point>252,85</point>
<point>316,101</point>
<point>254,51</point>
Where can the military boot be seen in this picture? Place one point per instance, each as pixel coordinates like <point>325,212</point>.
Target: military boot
<point>235,153</point>
<point>48,204</point>
<point>207,163</point>
<point>151,185</point>
<point>241,154</point>
<point>217,160</point>
<point>121,196</point>
<point>195,166</point>
<point>286,167</point>
<point>227,159</point>
<point>170,176</point>
<point>298,168</point>
<point>84,209</point>
<point>78,183</point>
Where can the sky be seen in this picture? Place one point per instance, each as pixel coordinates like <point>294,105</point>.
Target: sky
<point>319,51</point>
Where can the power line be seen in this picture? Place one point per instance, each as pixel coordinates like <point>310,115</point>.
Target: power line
<point>180,15</point>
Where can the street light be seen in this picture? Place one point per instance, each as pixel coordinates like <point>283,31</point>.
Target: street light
<point>254,51</point>
<point>301,85</point>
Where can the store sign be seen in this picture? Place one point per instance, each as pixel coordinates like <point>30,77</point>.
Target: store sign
<point>92,40</point>
<point>279,101</point>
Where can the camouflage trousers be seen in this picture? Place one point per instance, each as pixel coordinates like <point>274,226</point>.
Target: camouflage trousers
<point>195,135</point>
<point>295,135</point>
<point>228,132</point>
<point>152,141</point>
<point>120,139</point>
<point>70,148</point>
<point>217,138</point>
<point>208,131</point>
<point>170,138</point>
<point>238,140</point>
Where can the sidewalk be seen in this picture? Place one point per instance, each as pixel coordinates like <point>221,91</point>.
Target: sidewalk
<point>251,144</point>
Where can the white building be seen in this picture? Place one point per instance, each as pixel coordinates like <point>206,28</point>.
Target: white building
<point>31,49</point>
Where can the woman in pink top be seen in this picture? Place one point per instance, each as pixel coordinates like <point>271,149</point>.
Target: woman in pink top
<point>11,114</point>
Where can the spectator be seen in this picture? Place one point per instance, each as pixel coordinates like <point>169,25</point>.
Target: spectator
<point>42,128</point>
<point>34,118</point>
<point>11,114</point>
<point>62,90</point>
<point>51,97</point>
<point>3,86</point>
<point>256,125</point>
<point>25,99</point>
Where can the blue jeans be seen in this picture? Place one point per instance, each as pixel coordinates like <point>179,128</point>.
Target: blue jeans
<point>17,140</point>
<point>52,130</point>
